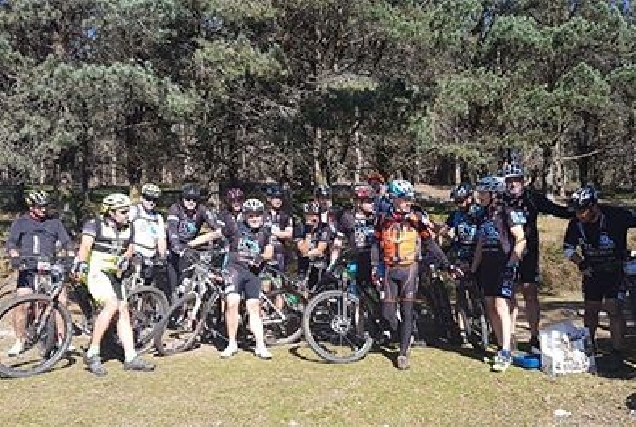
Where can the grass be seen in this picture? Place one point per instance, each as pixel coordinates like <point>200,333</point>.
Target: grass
<point>442,388</point>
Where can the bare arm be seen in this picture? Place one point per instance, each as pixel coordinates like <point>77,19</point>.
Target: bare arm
<point>520,243</point>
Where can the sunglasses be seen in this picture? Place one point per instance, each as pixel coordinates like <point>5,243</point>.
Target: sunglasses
<point>189,199</point>
<point>123,211</point>
<point>151,199</point>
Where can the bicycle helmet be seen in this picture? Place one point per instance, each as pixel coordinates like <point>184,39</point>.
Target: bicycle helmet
<point>401,188</point>
<point>274,191</point>
<point>37,198</point>
<point>191,191</point>
<point>461,192</point>
<point>513,170</point>
<point>375,177</point>
<point>492,184</point>
<point>150,191</point>
<point>253,206</point>
<point>115,201</point>
<point>323,191</point>
<point>312,208</point>
<point>234,195</point>
<point>583,198</point>
<point>363,191</point>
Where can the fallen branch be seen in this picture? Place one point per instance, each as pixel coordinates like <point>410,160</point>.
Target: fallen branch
<point>581,156</point>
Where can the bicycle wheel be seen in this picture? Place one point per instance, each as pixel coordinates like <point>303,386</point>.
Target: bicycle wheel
<point>41,350</point>
<point>283,316</point>
<point>329,324</point>
<point>148,307</point>
<point>443,310</point>
<point>463,312</point>
<point>179,329</point>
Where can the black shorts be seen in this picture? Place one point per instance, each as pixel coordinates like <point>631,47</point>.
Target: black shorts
<point>599,287</point>
<point>243,282</point>
<point>529,267</point>
<point>26,279</point>
<point>491,277</point>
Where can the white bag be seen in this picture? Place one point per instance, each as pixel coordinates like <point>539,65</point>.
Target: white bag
<point>566,349</point>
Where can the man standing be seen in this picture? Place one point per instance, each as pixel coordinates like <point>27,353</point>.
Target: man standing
<point>531,203</point>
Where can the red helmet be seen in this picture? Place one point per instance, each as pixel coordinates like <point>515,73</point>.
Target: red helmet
<point>234,195</point>
<point>363,192</point>
<point>375,177</point>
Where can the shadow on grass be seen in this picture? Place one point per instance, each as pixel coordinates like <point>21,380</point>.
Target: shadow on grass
<point>390,354</point>
<point>67,361</point>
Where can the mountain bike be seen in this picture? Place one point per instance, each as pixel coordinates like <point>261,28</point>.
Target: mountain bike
<point>198,316</point>
<point>46,319</point>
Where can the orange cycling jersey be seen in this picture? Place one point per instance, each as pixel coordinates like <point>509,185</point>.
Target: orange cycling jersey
<point>400,237</point>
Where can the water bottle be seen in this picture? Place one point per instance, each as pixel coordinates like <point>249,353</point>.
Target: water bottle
<point>292,299</point>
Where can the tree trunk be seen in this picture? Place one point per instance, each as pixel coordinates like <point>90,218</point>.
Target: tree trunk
<point>558,168</point>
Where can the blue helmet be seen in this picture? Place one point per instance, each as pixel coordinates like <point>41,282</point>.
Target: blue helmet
<point>400,188</point>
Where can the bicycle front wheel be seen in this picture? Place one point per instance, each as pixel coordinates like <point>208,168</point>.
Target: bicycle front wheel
<point>334,327</point>
<point>182,325</point>
<point>148,307</point>
<point>45,320</point>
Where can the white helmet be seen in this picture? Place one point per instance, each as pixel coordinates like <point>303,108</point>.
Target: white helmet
<point>492,184</point>
<point>253,206</point>
<point>150,190</point>
<point>115,201</point>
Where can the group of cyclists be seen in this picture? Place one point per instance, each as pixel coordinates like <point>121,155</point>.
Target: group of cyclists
<point>493,235</point>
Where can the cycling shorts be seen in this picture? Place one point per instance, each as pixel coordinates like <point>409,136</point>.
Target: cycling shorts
<point>491,276</point>
<point>26,280</point>
<point>529,267</point>
<point>243,282</point>
<point>105,287</point>
<point>601,286</point>
<point>401,282</point>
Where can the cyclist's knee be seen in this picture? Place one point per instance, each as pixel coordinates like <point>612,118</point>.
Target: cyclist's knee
<point>232,300</point>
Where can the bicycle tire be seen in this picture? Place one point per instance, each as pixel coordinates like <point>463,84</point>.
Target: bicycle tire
<point>441,322</point>
<point>59,352</point>
<point>142,340</point>
<point>294,317</point>
<point>162,350</point>
<point>315,346</point>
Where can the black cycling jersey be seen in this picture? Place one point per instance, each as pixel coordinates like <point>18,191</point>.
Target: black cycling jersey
<point>603,243</point>
<point>532,203</point>
<point>359,229</point>
<point>37,237</point>
<point>277,220</point>
<point>246,244</point>
<point>184,226</point>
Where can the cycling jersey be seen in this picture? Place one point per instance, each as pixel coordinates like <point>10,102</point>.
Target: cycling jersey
<point>494,234</point>
<point>246,244</point>
<point>184,226</point>
<point>359,229</point>
<point>277,221</point>
<point>110,242</point>
<point>400,238</point>
<point>149,228</point>
<point>465,227</point>
<point>313,236</point>
<point>603,243</point>
<point>30,236</point>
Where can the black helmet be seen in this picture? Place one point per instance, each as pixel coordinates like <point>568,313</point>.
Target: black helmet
<point>191,191</point>
<point>513,170</point>
<point>583,198</point>
<point>274,191</point>
<point>323,191</point>
<point>313,208</point>
<point>461,192</point>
